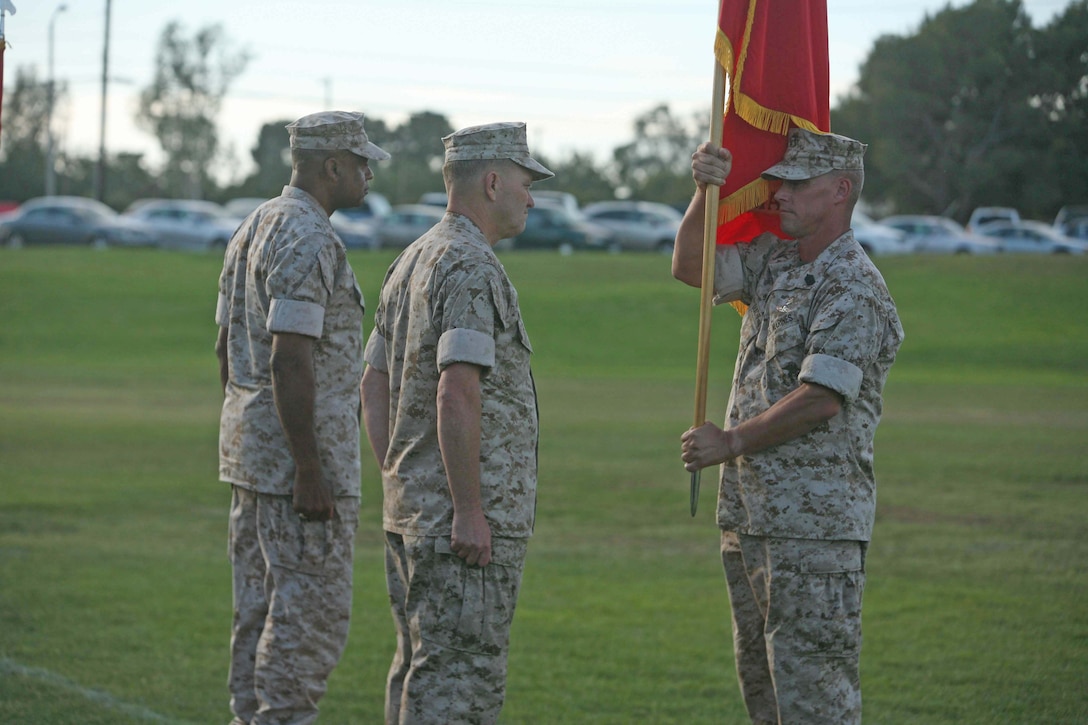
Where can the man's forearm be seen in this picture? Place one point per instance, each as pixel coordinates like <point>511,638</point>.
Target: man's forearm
<point>221,355</point>
<point>375,398</point>
<point>459,434</point>
<point>293,388</point>
<point>798,413</point>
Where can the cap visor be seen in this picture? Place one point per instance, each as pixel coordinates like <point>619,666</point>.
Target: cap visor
<point>372,151</point>
<point>535,168</point>
<point>793,173</point>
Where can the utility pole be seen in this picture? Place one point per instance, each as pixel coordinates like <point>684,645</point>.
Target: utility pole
<point>100,171</point>
<point>51,143</point>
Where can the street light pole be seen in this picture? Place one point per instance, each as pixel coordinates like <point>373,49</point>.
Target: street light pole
<point>100,169</point>
<point>50,149</point>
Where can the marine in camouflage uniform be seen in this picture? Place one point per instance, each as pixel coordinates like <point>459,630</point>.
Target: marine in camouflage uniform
<point>447,308</point>
<point>796,503</point>
<point>290,349</point>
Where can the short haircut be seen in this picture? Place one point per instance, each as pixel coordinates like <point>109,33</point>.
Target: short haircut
<point>304,159</point>
<point>857,181</point>
<point>468,169</point>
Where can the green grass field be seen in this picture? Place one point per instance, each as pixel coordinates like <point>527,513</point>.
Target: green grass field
<point>114,581</point>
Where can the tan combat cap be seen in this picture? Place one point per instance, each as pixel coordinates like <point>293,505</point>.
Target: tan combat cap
<point>809,155</point>
<point>505,140</point>
<point>334,131</point>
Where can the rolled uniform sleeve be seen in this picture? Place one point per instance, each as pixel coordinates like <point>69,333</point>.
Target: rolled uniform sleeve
<point>222,310</point>
<point>467,322</point>
<point>738,266</point>
<point>844,340</point>
<point>466,346</point>
<point>374,353</point>
<point>299,285</point>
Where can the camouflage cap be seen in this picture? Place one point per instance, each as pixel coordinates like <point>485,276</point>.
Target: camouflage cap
<point>505,140</point>
<point>334,131</point>
<point>809,155</point>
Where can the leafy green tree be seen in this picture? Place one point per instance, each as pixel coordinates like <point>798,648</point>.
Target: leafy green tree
<point>129,178</point>
<point>976,108</point>
<point>416,147</point>
<point>1062,99</point>
<point>656,164</point>
<point>180,106</point>
<point>22,150</point>
<point>272,155</point>
<point>578,174</point>
<point>943,110</point>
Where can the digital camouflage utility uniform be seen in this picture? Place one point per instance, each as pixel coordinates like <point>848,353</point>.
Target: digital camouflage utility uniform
<point>447,300</point>
<point>796,518</point>
<point>285,271</point>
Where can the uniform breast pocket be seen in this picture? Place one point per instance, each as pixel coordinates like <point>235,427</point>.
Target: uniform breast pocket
<point>785,331</point>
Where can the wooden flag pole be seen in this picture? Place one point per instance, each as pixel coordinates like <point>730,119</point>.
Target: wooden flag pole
<point>706,290</point>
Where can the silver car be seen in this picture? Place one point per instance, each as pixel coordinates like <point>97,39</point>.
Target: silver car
<point>940,235</point>
<point>186,223</point>
<point>645,225</point>
<point>879,239</point>
<point>71,220</point>
<point>1032,237</point>
<point>405,223</point>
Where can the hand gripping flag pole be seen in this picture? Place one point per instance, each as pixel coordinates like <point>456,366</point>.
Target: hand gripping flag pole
<point>771,74</point>
<point>706,289</point>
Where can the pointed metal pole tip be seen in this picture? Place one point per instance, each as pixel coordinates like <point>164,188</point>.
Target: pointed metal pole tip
<point>695,491</point>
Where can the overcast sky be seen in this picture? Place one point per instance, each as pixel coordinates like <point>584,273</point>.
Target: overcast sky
<point>577,71</point>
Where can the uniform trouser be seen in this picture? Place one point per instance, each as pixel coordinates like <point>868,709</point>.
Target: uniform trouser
<point>453,630</point>
<point>796,627</point>
<point>292,606</point>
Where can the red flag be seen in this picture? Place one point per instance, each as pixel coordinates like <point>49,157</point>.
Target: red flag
<point>776,64</point>
<point>3,45</point>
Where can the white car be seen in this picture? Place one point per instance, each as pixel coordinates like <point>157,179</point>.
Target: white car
<point>557,198</point>
<point>186,223</point>
<point>645,225</point>
<point>1072,221</point>
<point>879,239</point>
<point>940,235</point>
<point>989,214</point>
<point>1032,237</point>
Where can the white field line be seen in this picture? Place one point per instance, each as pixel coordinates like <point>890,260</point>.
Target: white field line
<point>98,697</point>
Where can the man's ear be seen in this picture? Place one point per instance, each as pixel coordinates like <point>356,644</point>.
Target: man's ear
<point>843,188</point>
<point>331,168</point>
<point>492,181</point>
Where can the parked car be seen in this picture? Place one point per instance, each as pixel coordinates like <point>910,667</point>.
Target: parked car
<point>405,223</point>
<point>940,235</point>
<point>644,225</point>
<point>374,205</point>
<point>556,198</point>
<point>186,223</point>
<point>987,214</point>
<point>356,233</point>
<point>1077,229</point>
<point>1072,221</point>
<point>879,239</point>
<point>71,220</point>
<point>352,224</point>
<point>554,227</point>
<point>243,206</point>
<point>434,198</point>
<point>1032,237</point>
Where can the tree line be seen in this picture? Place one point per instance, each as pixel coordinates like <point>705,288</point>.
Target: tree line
<point>976,107</point>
